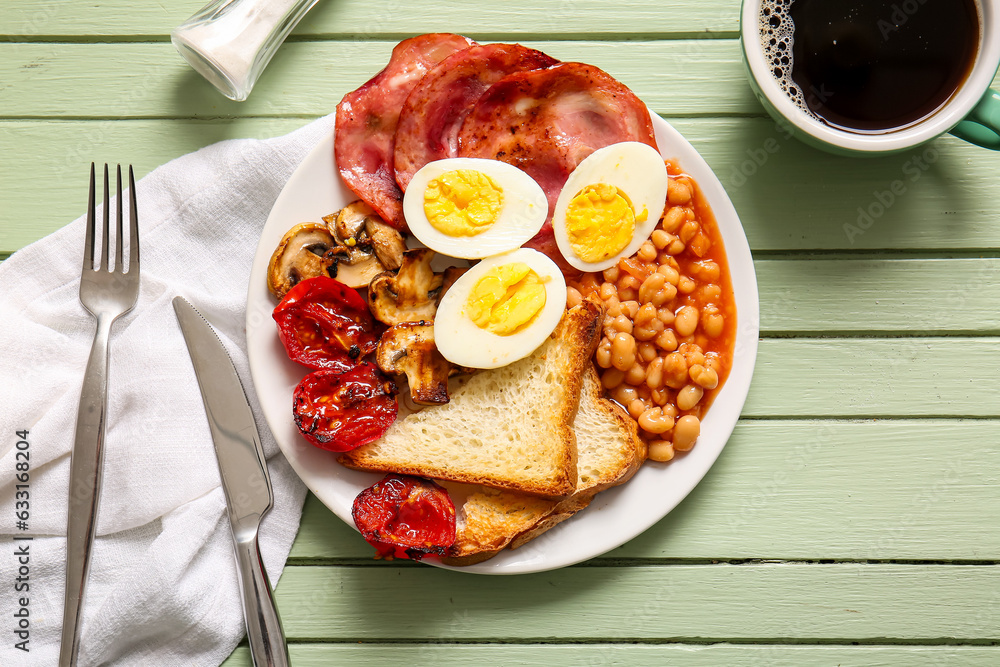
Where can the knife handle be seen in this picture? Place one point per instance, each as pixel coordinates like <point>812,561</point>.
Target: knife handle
<point>267,640</point>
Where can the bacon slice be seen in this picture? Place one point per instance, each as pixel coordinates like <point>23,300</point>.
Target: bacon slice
<point>367,117</point>
<point>432,116</point>
<point>546,121</point>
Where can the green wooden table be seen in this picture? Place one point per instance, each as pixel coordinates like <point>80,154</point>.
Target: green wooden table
<point>853,517</point>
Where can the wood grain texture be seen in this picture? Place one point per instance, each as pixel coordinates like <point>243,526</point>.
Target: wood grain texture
<point>309,78</point>
<point>50,189</point>
<point>631,655</point>
<point>806,602</point>
<point>868,439</point>
<point>805,490</point>
<point>386,19</point>
<point>876,378</point>
<point>951,206</point>
<point>862,296</point>
<point>683,77</point>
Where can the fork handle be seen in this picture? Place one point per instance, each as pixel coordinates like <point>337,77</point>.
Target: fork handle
<point>85,488</point>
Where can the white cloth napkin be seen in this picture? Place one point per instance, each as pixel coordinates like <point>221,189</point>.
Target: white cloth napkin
<point>163,585</point>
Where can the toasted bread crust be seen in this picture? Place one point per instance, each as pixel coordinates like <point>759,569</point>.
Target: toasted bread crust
<point>609,449</point>
<point>626,459</point>
<point>489,518</point>
<point>548,522</point>
<point>563,358</point>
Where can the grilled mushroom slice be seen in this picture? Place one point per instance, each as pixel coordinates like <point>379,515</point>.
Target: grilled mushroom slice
<point>353,267</point>
<point>305,251</point>
<point>408,349</point>
<point>386,241</point>
<point>366,246</point>
<point>350,220</point>
<point>409,295</point>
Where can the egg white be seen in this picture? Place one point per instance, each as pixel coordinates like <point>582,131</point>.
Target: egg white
<point>461,342</point>
<point>636,169</point>
<point>524,209</point>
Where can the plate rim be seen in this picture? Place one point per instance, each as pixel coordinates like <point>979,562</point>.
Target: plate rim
<point>542,553</point>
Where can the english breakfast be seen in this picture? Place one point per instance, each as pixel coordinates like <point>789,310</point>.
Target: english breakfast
<point>591,331</point>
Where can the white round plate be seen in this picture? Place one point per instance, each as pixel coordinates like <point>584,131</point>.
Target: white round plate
<point>615,516</point>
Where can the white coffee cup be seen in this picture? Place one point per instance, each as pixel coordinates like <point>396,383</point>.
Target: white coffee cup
<point>972,113</point>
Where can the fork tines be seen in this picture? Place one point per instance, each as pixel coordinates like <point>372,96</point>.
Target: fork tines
<point>105,261</point>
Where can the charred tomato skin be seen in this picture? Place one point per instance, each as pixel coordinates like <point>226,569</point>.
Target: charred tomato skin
<point>406,517</point>
<point>342,410</point>
<point>323,323</point>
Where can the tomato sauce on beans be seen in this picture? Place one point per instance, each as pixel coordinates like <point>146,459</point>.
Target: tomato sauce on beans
<point>670,321</point>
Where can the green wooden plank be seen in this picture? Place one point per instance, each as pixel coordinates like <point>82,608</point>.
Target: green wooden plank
<point>864,296</point>
<point>691,77</point>
<point>881,378</point>
<point>872,490</point>
<point>323,535</point>
<point>675,78</point>
<point>805,490</point>
<point>367,19</point>
<point>798,200</point>
<point>43,184</point>
<point>791,196</point>
<point>632,655</point>
<point>759,602</point>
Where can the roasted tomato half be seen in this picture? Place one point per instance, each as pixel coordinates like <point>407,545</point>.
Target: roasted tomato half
<point>324,324</point>
<point>405,517</point>
<point>340,411</point>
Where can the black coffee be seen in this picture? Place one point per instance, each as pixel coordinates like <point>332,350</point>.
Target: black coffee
<point>871,65</point>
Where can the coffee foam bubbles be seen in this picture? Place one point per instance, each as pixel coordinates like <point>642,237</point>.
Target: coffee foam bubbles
<point>776,38</point>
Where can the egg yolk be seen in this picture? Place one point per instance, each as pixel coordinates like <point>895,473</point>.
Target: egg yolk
<point>463,202</point>
<point>506,299</point>
<point>600,222</point>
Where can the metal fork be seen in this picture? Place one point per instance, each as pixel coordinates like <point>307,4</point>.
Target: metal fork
<point>107,291</point>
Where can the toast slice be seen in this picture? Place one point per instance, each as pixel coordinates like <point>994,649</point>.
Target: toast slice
<point>509,428</point>
<point>609,452</point>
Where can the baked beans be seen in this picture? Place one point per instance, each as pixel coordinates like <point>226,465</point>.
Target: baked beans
<point>623,351</point>
<point>670,322</point>
<point>647,352</point>
<point>686,431</point>
<point>573,297</point>
<point>660,450</point>
<point>688,396</point>
<point>654,421</point>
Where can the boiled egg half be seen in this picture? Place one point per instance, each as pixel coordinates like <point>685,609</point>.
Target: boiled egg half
<point>610,205</point>
<point>473,207</point>
<point>500,310</point>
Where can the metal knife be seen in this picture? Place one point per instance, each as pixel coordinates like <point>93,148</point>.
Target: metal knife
<point>244,478</point>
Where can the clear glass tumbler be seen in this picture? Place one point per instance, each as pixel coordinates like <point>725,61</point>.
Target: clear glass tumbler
<point>230,42</point>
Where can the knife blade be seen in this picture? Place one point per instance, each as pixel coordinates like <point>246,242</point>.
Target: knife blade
<point>244,478</point>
